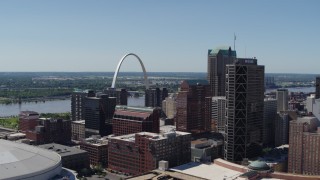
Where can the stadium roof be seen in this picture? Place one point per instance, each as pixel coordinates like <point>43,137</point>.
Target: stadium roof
<point>22,161</point>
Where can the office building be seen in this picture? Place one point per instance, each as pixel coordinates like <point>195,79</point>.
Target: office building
<point>128,120</point>
<point>120,94</point>
<point>304,149</point>
<point>219,113</point>
<point>282,99</point>
<point>71,157</point>
<point>28,120</point>
<point>194,107</point>
<point>281,127</point>
<point>310,101</point>
<point>313,106</point>
<point>78,130</point>
<point>244,112</point>
<point>99,111</point>
<point>169,107</point>
<point>97,149</point>
<point>217,61</point>
<point>318,87</point>
<point>51,130</point>
<point>78,98</point>
<point>269,117</point>
<point>155,96</point>
<point>139,153</point>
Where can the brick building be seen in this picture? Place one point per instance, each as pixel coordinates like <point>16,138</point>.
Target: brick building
<point>51,130</point>
<point>304,146</point>
<point>194,107</point>
<point>141,152</point>
<point>28,120</point>
<point>128,120</point>
<point>97,149</point>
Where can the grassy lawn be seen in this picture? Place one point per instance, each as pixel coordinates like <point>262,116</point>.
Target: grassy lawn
<point>11,123</point>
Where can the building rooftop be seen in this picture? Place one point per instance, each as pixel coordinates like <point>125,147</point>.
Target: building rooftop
<point>79,122</point>
<point>224,50</point>
<point>21,161</point>
<point>135,109</point>
<point>259,166</point>
<point>207,171</point>
<point>96,141</point>
<point>61,149</point>
<point>139,114</point>
<point>167,128</point>
<point>167,175</point>
<point>150,135</point>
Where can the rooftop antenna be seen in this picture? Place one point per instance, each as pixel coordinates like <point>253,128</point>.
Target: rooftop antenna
<point>245,51</point>
<point>234,42</point>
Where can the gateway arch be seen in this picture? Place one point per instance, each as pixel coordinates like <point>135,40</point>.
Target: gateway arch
<point>119,65</point>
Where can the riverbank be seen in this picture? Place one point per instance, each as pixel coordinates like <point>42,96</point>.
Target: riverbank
<point>8,101</point>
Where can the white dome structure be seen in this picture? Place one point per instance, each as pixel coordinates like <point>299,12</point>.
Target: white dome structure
<point>22,161</point>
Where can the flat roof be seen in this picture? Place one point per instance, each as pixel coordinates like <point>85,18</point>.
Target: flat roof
<point>21,160</point>
<point>62,150</point>
<point>152,136</point>
<point>207,171</point>
<point>135,109</point>
<point>143,115</point>
<point>158,174</point>
<point>79,122</point>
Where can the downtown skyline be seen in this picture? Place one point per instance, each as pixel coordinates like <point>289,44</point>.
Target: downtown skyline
<point>169,36</point>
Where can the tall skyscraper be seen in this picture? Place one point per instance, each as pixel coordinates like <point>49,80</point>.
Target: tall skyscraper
<point>78,98</point>
<point>98,115</point>
<point>155,96</point>
<point>244,113</point>
<point>282,99</point>
<point>318,87</point>
<point>219,112</point>
<point>217,61</point>
<point>269,117</point>
<point>194,107</point>
<point>281,127</point>
<point>120,94</point>
<point>304,149</point>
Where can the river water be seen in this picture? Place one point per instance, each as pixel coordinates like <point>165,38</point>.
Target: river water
<point>60,106</point>
<point>57,106</point>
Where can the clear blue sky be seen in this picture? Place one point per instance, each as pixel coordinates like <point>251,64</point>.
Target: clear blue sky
<point>168,35</point>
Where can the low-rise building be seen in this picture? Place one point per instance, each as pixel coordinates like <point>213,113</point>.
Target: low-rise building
<point>128,120</point>
<point>97,149</point>
<point>28,120</point>
<point>206,150</point>
<point>72,158</point>
<point>141,152</point>
<point>51,130</point>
